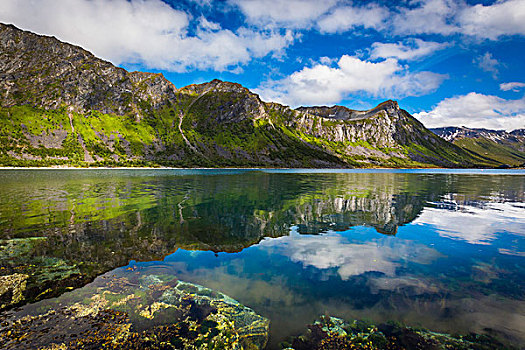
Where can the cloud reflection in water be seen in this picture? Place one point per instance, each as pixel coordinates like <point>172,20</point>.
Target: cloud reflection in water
<point>351,257</point>
<point>474,224</point>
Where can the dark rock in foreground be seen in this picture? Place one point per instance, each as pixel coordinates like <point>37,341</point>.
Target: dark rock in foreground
<point>136,311</point>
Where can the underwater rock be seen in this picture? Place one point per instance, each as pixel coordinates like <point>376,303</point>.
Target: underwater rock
<point>27,277</point>
<point>136,312</point>
<point>334,333</point>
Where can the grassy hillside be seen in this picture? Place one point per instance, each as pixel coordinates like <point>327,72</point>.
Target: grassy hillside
<point>494,153</point>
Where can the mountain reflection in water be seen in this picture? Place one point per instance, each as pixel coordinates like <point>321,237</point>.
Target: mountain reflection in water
<point>442,250</point>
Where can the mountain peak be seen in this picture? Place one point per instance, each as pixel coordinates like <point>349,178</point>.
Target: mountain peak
<point>388,105</point>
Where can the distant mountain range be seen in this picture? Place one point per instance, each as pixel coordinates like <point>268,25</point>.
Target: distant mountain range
<point>61,105</point>
<point>499,148</point>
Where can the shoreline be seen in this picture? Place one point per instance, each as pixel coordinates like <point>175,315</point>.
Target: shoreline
<point>313,170</point>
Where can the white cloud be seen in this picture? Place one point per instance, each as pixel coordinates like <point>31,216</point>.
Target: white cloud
<point>476,111</point>
<point>288,13</point>
<point>347,17</point>
<point>204,24</point>
<point>493,21</point>
<point>147,32</point>
<point>475,225</point>
<point>513,86</point>
<point>411,49</point>
<point>487,63</point>
<point>445,17</point>
<point>326,84</point>
<point>334,251</point>
<point>448,17</point>
<point>430,17</point>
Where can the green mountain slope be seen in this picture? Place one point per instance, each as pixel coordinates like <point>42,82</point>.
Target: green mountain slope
<point>60,105</point>
<point>497,148</point>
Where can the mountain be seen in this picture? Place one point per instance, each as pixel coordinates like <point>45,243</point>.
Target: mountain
<point>499,148</point>
<point>61,105</point>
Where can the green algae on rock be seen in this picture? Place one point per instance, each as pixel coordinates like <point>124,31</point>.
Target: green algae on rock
<point>334,333</point>
<point>136,311</point>
<point>11,289</point>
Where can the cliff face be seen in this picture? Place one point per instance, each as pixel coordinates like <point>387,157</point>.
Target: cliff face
<point>341,124</point>
<point>59,104</point>
<point>383,135</point>
<point>496,147</point>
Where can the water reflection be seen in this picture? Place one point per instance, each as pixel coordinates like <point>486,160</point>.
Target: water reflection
<point>475,223</point>
<point>350,257</point>
<point>441,250</point>
<point>361,274</point>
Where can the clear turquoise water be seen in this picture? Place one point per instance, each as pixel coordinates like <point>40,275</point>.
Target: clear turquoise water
<point>442,249</point>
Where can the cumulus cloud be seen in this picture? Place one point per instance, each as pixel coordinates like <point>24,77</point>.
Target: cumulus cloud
<point>444,17</point>
<point>513,86</point>
<point>450,17</point>
<point>476,110</point>
<point>327,84</point>
<point>487,63</point>
<point>345,18</point>
<point>411,49</point>
<point>493,21</point>
<point>429,17</point>
<point>290,13</point>
<point>147,32</point>
<point>348,258</point>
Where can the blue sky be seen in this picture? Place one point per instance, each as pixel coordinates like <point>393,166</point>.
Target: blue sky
<point>447,62</point>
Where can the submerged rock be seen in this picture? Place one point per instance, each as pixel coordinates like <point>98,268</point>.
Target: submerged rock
<point>28,277</point>
<point>136,312</point>
<point>334,333</point>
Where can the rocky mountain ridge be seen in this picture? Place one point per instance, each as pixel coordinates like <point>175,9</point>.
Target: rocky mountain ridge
<point>60,105</point>
<point>453,133</point>
<point>36,70</point>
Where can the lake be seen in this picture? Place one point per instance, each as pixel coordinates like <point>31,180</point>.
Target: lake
<point>442,249</point>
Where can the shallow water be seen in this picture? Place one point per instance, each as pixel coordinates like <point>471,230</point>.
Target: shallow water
<point>440,249</point>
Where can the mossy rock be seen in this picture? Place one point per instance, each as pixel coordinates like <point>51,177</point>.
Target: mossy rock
<point>136,311</point>
<point>334,333</point>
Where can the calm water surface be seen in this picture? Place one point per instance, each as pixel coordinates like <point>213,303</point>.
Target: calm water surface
<point>444,250</point>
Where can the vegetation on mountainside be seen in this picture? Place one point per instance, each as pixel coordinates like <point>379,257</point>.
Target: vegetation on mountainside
<point>37,137</point>
<point>60,105</point>
<point>494,154</point>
